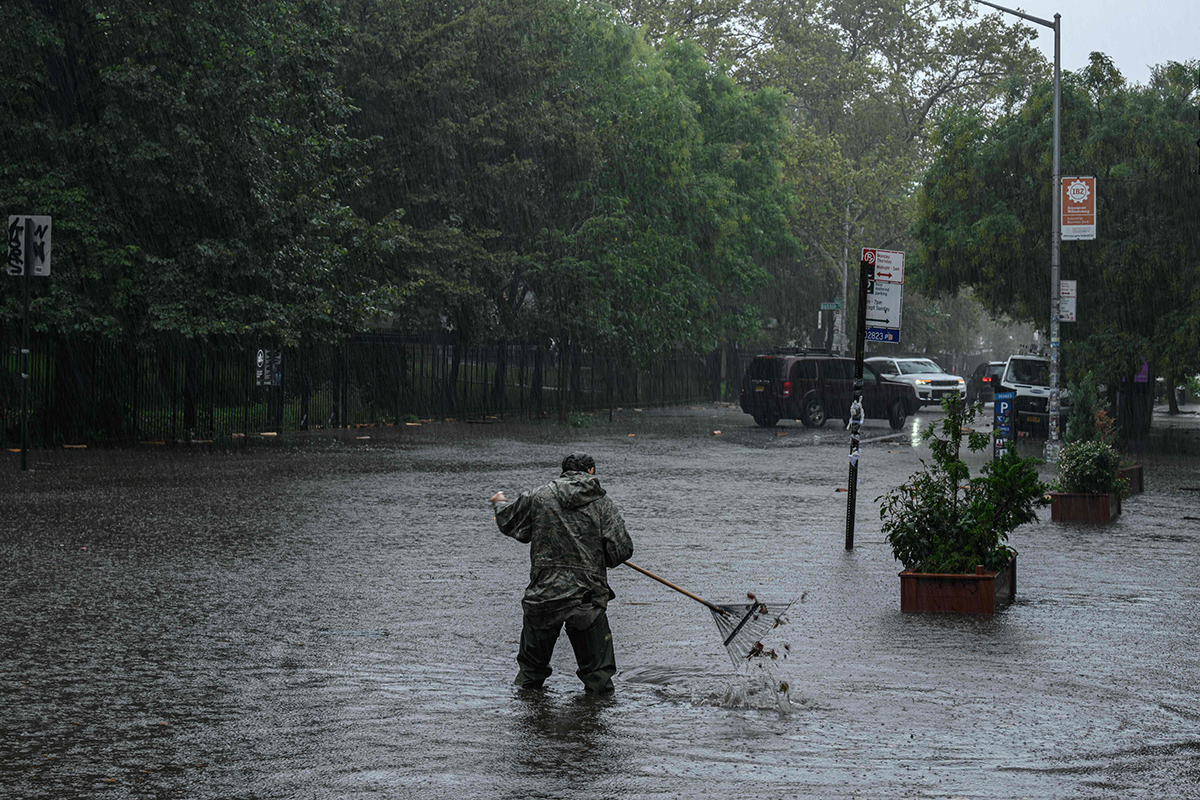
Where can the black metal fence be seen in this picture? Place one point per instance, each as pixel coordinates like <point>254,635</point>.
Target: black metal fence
<point>93,392</point>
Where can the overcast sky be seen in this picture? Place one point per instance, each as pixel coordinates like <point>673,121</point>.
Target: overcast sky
<point>1134,34</point>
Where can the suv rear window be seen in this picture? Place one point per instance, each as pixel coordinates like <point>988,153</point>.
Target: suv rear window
<point>1028,370</point>
<point>765,369</point>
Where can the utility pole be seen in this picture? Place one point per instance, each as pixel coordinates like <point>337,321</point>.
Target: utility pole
<point>1052,444</point>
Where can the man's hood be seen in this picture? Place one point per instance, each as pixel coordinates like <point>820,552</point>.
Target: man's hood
<point>577,489</point>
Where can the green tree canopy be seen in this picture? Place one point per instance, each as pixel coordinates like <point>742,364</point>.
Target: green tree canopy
<point>187,153</point>
<point>985,206</point>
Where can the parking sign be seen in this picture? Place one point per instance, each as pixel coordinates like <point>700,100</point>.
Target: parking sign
<point>1002,427</point>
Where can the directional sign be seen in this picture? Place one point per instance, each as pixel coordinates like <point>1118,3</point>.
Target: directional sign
<point>889,264</point>
<point>34,254</point>
<point>883,304</point>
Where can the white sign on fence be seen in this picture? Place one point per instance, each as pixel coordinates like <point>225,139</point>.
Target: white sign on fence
<point>34,254</point>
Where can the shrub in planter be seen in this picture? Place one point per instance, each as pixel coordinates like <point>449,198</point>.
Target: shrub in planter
<point>1090,485</point>
<point>1090,467</point>
<point>944,521</point>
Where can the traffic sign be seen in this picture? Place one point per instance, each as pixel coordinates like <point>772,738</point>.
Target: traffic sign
<point>1002,427</point>
<point>884,302</point>
<point>1066,301</point>
<point>34,254</point>
<point>888,264</point>
<point>830,306</point>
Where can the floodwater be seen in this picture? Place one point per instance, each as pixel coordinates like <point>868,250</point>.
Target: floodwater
<point>338,618</point>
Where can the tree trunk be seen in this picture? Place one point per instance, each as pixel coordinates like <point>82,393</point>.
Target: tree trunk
<point>1172,398</point>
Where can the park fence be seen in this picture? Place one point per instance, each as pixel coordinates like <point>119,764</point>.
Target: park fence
<point>83,392</point>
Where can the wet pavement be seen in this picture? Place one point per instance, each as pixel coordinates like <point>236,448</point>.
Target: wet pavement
<point>337,617</point>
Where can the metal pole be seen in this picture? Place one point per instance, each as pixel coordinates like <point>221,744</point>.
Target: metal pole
<point>865,275</point>
<point>27,268</point>
<point>1052,446</point>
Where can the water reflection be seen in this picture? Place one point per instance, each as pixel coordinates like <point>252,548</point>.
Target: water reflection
<point>563,744</point>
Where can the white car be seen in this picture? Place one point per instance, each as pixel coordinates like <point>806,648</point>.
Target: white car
<point>930,381</point>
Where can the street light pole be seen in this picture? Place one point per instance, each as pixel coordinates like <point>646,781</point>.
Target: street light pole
<point>1052,445</point>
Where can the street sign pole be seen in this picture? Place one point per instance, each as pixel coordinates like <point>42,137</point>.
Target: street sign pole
<point>26,276</point>
<point>866,272</point>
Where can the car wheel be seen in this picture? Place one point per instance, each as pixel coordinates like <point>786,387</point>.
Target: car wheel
<point>897,414</point>
<point>814,415</point>
<point>765,420</point>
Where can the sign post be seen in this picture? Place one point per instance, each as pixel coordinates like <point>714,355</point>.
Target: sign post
<point>28,255</point>
<point>865,270</point>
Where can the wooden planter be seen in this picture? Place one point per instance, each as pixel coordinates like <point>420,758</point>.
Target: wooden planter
<point>1069,507</point>
<point>1133,476</point>
<point>981,593</point>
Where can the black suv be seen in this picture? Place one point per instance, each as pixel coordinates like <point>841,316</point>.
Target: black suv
<point>813,386</point>
<point>981,386</point>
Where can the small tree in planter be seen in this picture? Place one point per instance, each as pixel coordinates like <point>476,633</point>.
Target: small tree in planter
<point>1089,486</point>
<point>947,527</point>
<point>1090,421</point>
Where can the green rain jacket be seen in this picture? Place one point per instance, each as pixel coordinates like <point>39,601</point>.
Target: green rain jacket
<point>575,534</point>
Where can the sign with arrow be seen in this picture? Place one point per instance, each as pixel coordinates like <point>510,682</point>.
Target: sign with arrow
<point>885,295</point>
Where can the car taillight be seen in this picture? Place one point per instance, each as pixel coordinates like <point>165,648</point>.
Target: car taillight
<point>787,388</point>
<point>986,379</point>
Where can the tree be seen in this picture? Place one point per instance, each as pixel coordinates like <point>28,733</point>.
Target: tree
<point>862,79</point>
<point>984,210</point>
<point>188,154</point>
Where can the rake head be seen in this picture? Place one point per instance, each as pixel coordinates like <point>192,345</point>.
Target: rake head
<point>743,626</point>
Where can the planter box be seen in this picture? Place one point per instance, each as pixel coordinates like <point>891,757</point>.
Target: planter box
<point>1068,507</point>
<point>1133,476</point>
<point>981,593</point>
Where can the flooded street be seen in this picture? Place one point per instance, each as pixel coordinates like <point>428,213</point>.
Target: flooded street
<point>338,618</point>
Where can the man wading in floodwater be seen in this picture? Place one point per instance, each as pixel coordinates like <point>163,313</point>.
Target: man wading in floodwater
<point>575,534</point>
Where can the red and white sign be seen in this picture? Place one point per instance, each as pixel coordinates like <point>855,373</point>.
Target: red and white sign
<point>889,264</point>
<point>1078,208</point>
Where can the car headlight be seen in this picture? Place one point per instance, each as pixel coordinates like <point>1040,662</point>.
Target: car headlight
<point>923,382</point>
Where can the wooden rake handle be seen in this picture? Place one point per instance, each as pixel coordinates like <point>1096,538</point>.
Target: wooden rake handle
<point>670,585</point>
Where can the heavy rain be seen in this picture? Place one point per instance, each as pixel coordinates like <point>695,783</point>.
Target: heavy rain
<point>879,330</point>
